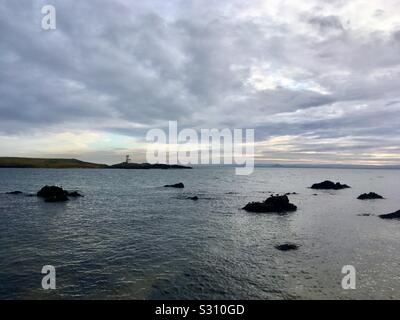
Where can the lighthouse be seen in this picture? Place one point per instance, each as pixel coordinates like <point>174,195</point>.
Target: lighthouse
<point>128,159</point>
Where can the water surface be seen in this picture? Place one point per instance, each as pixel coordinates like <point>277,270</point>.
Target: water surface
<point>130,238</point>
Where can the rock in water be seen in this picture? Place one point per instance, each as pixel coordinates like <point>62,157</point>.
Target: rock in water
<point>14,192</point>
<point>371,195</point>
<point>195,198</point>
<point>179,185</point>
<point>53,194</point>
<point>329,185</point>
<point>277,204</point>
<point>287,247</point>
<point>393,215</point>
<point>74,194</point>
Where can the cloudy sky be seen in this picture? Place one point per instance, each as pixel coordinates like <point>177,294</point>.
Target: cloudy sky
<point>318,80</point>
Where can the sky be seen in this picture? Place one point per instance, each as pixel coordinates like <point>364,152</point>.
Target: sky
<point>318,80</point>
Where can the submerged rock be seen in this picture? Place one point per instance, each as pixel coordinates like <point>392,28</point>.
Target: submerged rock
<point>287,247</point>
<point>74,194</point>
<point>179,185</point>
<point>195,198</point>
<point>272,204</point>
<point>371,195</point>
<point>393,215</point>
<point>329,185</point>
<point>53,194</point>
<point>14,192</point>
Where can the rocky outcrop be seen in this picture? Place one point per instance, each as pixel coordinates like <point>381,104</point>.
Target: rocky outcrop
<point>53,194</point>
<point>74,194</point>
<point>179,185</point>
<point>329,185</point>
<point>278,204</point>
<point>369,196</point>
<point>56,194</point>
<point>14,192</point>
<point>393,215</point>
<point>287,247</point>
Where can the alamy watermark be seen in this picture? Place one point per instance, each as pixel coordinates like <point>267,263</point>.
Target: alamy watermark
<point>204,146</point>
<point>49,280</point>
<point>49,21</point>
<point>349,280</point>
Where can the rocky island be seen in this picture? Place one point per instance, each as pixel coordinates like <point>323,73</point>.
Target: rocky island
<point>125,165</point>
<point>369,196</point>
<point>56,194</point>
<point>329,185</point>
<point>393,215</point>
<point>278,204</point>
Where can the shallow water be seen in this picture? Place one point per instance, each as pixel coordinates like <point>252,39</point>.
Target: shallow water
<point>130,238</point>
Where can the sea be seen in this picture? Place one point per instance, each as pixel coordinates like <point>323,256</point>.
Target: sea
<point>131,238</point>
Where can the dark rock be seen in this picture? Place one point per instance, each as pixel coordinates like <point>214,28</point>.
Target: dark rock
<point>51,191</point>
<point>195,198</point>
<point>272,204</point>
<point>364,215</point>
<point>53,194</point>
<point>179,185</point>
<point>14,192</point>
<point>287,247</point>
<point>371,195</point>
<point>393,215</point>
<point>74,194</point>
<point>329,185</point>
<point>125,165</point>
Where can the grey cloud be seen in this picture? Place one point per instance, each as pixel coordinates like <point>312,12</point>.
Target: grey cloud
<point>326,23</point>
<point>111,62</point>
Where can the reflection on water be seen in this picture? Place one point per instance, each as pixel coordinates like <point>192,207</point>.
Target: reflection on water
<point>129,238</point>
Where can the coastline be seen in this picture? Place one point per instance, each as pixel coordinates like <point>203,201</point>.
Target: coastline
<point>52,163</point>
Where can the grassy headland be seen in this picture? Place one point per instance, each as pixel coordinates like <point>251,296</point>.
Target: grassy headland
<point>14,162</point>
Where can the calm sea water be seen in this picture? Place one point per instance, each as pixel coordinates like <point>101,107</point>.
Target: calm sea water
<point>130,238</point>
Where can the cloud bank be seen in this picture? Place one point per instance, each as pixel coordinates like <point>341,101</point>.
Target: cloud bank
<point>318,80</point>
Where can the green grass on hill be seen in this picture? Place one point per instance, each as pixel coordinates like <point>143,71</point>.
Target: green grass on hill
<point>14,162</point>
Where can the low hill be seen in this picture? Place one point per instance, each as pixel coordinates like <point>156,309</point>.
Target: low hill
<point>14,162</point>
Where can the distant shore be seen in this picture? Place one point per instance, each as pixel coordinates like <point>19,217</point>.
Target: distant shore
<point>48,163</point>
<point>54,163</point>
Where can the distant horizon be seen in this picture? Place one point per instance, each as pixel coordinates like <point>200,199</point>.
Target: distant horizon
<point>257,164</point>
